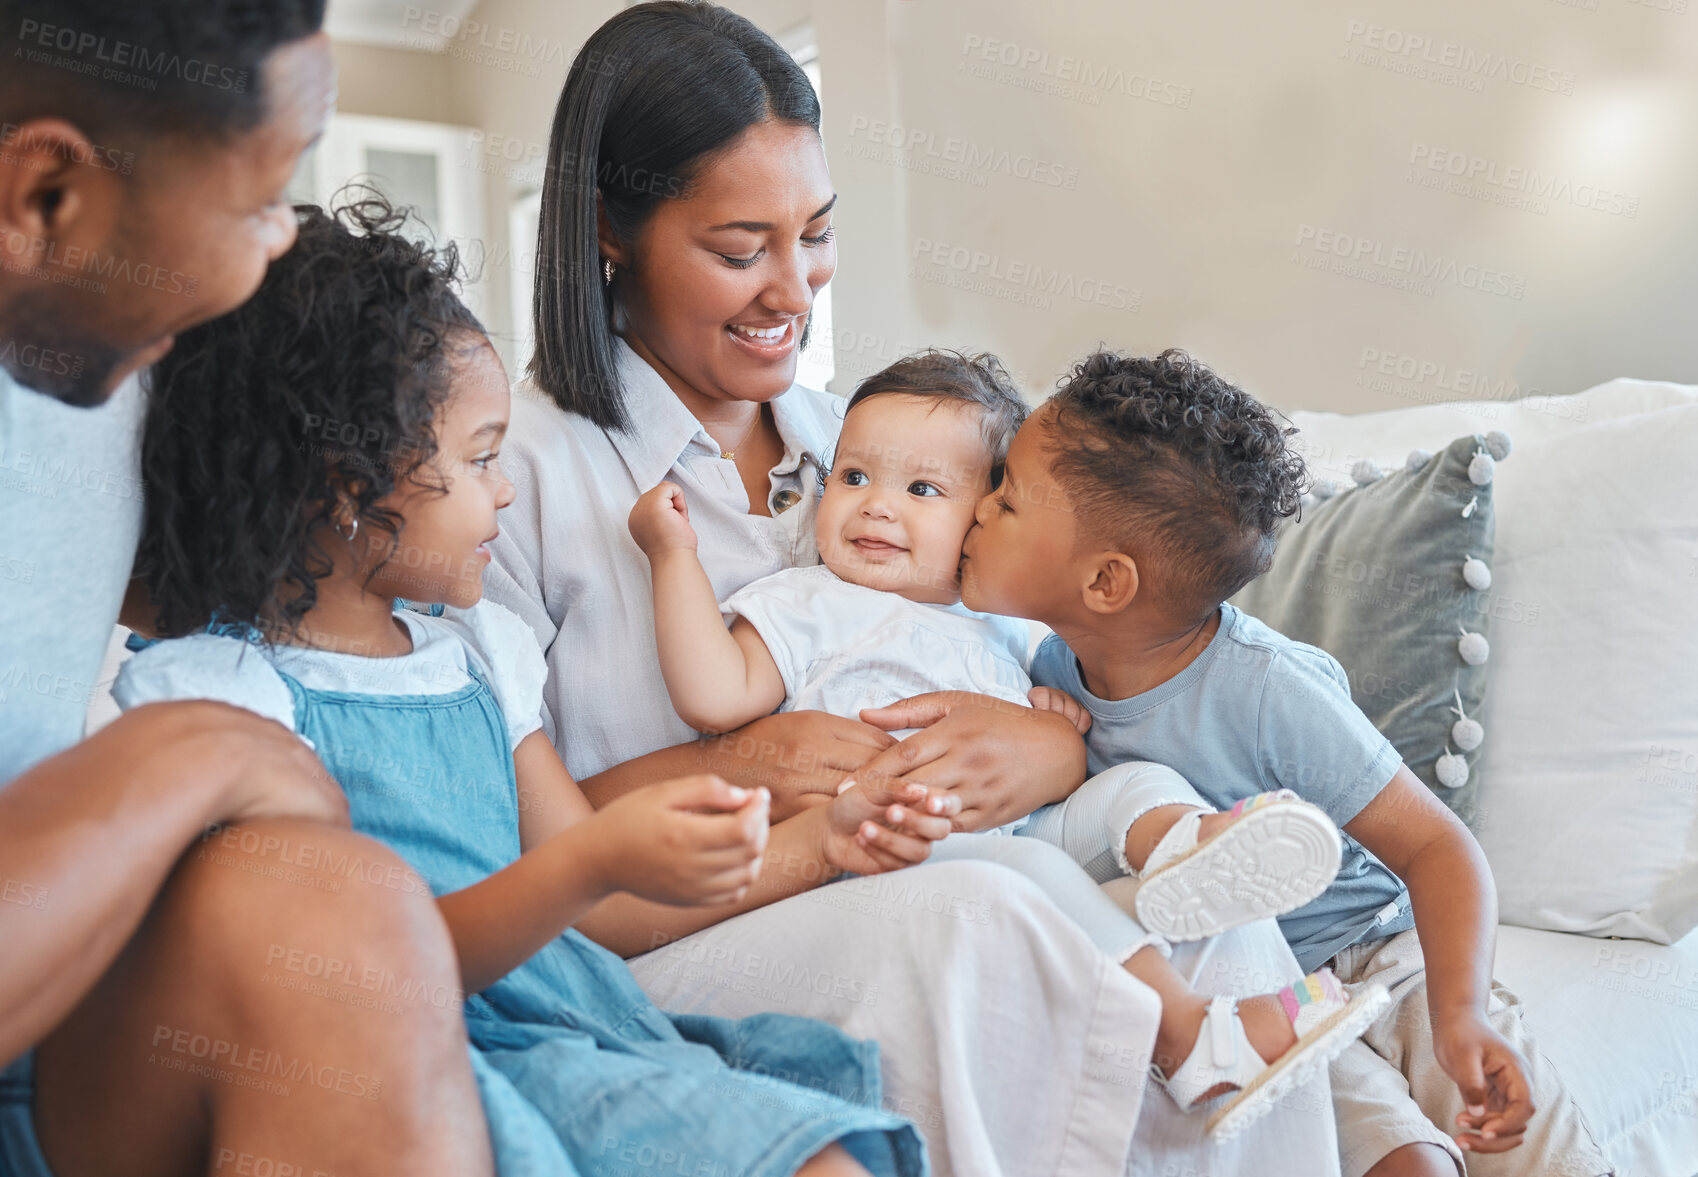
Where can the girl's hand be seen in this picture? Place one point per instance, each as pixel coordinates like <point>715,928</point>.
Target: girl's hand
<point>660,521</point>
<point>1003,760</point>
<point>870,830</point>
<point>697,840</point>
<point>1063,704</point>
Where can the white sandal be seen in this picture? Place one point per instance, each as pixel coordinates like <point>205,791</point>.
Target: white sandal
<point>1326,1020</point>
<point>1281,853</point>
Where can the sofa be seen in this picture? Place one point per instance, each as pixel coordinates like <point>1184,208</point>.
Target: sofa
<point>1585,787</point>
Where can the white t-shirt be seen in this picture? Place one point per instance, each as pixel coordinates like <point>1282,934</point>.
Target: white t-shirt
<point>70,519</point>
<point>244,674</point>
<point>841,647</point>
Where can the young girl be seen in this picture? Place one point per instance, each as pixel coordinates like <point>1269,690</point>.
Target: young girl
<point>880,619</point>
<point>332,446</point>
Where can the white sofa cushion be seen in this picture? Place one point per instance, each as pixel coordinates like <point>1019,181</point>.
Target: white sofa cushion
<point>1588,798</point>
<point>1332,442</point>
<point>1619,1021</point>
<point>1588,803</point>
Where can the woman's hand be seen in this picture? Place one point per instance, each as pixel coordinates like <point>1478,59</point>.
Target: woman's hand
<point>1003,760</point>
<point>802,756</point>
<point>660,522</point>
<point>871,830</point>
<point>697,840</point>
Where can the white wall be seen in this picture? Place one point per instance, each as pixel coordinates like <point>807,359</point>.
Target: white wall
<point>1208,158</point>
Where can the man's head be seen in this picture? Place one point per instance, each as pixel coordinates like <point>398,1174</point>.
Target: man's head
<point>1141,479</point>
<point>144,150</point>
<point>922,442</point>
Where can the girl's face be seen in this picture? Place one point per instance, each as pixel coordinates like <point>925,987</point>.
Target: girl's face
<point>449,505</point>
<point>905,478</point>
<point>717,287</point>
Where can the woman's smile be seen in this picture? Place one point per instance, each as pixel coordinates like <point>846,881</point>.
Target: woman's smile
<point>766,342</point>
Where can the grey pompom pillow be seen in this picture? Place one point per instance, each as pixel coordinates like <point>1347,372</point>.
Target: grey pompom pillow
<point>1392,577</point>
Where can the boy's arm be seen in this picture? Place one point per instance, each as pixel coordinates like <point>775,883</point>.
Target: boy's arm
<point>88,837</point>
<point>1455,905</point>
<point>717,678</point>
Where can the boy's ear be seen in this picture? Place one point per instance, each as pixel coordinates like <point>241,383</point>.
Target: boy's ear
<point>1112,584</point>
<point>608,241</point>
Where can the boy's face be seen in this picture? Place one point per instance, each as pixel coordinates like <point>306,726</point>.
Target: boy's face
<point>1019,560</point>
<point>906,476</point>
<point>450,505</point>
<point>110,268</point>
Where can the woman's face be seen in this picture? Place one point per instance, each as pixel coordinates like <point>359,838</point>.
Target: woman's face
<point>718,287</point>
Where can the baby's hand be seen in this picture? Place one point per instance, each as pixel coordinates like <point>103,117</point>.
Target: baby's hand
<point>696,840</point>
<point>1050,699</point>
<point>661,521</point>
<point>871,830</point>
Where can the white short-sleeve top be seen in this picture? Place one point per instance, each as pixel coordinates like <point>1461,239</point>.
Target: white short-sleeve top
<point>841,647</point>
<point>565,561</point>
<point>245,674</point>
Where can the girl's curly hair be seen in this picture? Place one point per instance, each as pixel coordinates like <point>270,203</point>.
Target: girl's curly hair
<point>1163,457</point>
<point>316,395</point>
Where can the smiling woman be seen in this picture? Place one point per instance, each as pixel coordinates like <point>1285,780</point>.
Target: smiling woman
<point>686,230</point>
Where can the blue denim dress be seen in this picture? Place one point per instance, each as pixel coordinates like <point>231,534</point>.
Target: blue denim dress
<point>578,1071</point>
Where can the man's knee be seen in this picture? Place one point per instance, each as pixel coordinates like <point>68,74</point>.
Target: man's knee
<point>307,906</point>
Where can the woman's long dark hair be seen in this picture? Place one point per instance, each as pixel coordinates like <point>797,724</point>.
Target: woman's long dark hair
<point>319,391</point>
<point>652,95</point>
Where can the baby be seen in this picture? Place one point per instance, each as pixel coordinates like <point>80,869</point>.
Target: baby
<point>880,619</point>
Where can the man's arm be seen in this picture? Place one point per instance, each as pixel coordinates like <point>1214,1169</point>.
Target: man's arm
<point>88,837</point>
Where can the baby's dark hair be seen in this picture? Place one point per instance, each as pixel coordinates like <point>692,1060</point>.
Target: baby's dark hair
<point>317,394</point>
<point>951,375</point>
<point>1162,457</point>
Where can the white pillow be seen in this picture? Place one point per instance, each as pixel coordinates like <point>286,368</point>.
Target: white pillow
<point>1589,770</point>
<point>1588,805</point>
<point>1332,443</point>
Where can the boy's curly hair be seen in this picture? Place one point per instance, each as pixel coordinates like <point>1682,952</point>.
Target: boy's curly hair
<point>1162,457</point>
<point>319,391</point>
<point>979,380</point>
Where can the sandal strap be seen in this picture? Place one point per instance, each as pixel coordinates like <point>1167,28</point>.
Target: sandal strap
<point>1222,1054</point>
<point>1180,837</point>
<point>1258,800</point>
<point>1313,999</point>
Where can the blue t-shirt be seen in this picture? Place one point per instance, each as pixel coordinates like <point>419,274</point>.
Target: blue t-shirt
<point>71,506</point>
<point>1256,711</point>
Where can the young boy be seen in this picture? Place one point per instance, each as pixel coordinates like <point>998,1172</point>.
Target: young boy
<point>880,618</point>
<point>1132,505</point>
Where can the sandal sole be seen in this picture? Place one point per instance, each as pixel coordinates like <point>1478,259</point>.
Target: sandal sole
<point>1301,1063</point>
<point>1268,862</point>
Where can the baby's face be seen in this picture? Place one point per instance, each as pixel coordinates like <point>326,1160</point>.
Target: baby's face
<point>904,483</point>
<point>1020,560</point>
